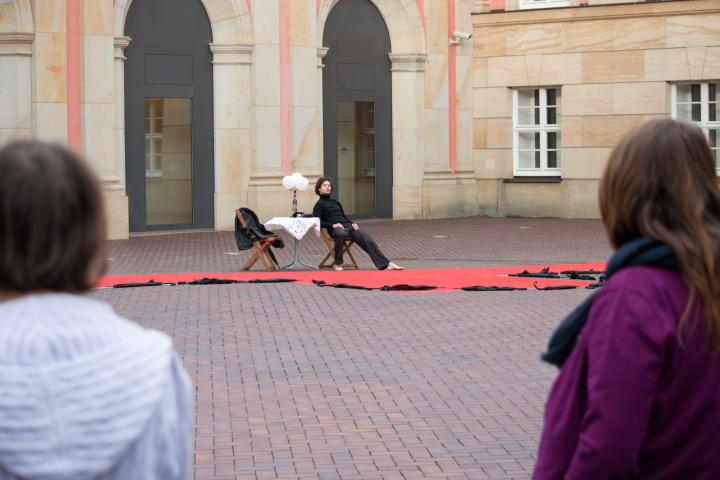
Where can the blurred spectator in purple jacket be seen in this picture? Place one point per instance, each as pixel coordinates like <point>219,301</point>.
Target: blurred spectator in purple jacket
<point>638,394</point>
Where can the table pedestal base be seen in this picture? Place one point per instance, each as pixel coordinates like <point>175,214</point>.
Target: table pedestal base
<point>296,259</point>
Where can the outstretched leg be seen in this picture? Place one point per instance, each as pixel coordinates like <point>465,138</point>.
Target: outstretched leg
<point>367,243</point>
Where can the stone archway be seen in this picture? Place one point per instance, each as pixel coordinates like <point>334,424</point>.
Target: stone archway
<point>230,20</point>
<point>404,22</point>
<point>408,55</point>
<point>232,33</point>
<point>16,16</point>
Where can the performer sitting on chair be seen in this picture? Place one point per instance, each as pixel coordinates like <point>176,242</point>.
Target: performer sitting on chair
<point>332,217</point>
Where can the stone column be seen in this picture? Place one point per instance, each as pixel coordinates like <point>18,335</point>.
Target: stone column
<point>113,177</point>
<point>266,195</point>
<point>15,85</point>
<point>321,52</point>
<point>121,43</point>
<point>408,118</point>
<point>232,116</point>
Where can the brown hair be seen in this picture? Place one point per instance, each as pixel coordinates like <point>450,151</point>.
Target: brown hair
<point>660,182</point>
<point>52,226</point>
<point>319,183</point>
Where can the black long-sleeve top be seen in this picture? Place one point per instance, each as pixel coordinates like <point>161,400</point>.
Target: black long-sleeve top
<point>330,212</point>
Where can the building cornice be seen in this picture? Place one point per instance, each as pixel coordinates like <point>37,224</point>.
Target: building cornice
<point>593,12</point>
<point>121,43</point>
<point>407,62</point>
<point>236,53</point>
<point>321,52</point>
<point>16,43</point>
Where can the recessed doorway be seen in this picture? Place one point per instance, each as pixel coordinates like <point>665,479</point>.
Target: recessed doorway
<point>169,160</point>
<point>357,109</point>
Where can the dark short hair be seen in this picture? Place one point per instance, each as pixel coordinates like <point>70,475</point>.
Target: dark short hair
<point>52,223</point>
<point>319,183</point>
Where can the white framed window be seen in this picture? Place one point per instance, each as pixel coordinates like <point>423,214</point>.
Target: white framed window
<point>154,117</point>
<point>536,132</point>
<point>544,3</point>
<point>697,103</point>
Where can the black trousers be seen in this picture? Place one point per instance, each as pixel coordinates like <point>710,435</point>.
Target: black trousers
<point>364,241</point>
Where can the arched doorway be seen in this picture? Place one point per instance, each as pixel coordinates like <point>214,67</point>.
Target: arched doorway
<point>169,116</point>
<point>357,108</point>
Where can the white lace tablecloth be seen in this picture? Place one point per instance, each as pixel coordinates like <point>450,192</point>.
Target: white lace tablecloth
<point>295,226</point>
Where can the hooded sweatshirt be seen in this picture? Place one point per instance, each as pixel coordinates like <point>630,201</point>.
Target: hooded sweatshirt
<point>86,394</point>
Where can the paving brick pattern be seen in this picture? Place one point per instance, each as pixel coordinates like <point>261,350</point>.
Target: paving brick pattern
<point>294,381</point>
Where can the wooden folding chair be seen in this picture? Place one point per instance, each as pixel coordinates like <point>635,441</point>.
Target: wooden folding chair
<point>260,247</point>
<point>329,259</point>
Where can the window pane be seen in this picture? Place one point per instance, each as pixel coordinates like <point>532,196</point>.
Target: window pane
<point>553,155</point>
<point>356,156</point>
<point>688,102</point>
<point>552,159</point>
<point>683,92</point>
<point>528,116</point>
<point>551,96</point>
<point>696,112</point>
<point>683,112</point>
<point>528,152</point>
<point>529,140</point>
<point>695,92</point>
<point>552,116</point>
<point>168,161</point>
<point>552,140</point>
<point>712,91</point>
<point>526,98</point>
<point>713,141</point>
<point>526,159</point>
<point>528,107</point>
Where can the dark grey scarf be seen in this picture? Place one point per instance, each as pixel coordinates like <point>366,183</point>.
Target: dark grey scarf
<point>640,251</point>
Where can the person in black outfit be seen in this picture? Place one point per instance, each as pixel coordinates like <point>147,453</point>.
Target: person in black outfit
<point>333,219</point>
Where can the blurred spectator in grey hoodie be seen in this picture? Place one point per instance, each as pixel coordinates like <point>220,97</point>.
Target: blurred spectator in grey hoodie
<point>86,394</point>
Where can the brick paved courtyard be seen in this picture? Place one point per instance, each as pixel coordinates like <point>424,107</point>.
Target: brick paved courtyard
<point>294,381</point>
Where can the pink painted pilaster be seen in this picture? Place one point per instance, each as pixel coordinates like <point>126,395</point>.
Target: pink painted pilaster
<point>74,67</point>
<point>317,5</point>
<point>249,5</point>
<point>497,5</point>
<point>285,90</point>
<point>421,8</point>
<point>452,89</point>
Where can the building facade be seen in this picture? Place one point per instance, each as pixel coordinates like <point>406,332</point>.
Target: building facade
<point>555,89</point>
<point>190,115</point>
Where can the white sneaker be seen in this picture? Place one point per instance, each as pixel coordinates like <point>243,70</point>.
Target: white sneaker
<point>338,268</point>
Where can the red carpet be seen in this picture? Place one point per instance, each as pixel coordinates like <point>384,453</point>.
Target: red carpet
<point>444,279</point>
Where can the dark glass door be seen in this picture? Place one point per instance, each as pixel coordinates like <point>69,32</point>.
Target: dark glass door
<point>168,116</point>
<point>357,109</point>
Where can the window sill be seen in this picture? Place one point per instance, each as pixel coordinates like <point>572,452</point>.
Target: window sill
<point>533,180</point>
